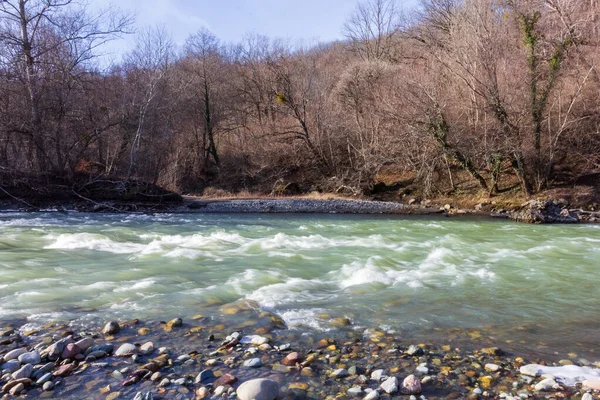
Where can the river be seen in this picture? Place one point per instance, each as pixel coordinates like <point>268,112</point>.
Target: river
<point>523,287</point>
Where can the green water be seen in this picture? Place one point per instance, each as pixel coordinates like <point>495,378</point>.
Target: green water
<point>519,286</point>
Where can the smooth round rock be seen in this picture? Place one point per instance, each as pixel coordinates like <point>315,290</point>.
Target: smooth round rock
<point>24,372</point>
<point>411,385</point>
<point>14,354</point>
<point>32,357</point>
<point>111,328</point>
<point>253,363</point>
<point>258,389</point>
<point>126,350</point>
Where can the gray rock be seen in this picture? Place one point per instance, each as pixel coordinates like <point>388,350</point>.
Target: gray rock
<point>180,381</point>
<point>390,385</point>
<point>55,350</point>
<point>147,348</point>
<point>374,395</point>
<point>48,386</point>
<point>32,357</point>
<point>587,396</point>
<point>546,385</point>
<point>14,354</point>
<point>421,370</point>
<point>378,375</point>
<point>164,383</point>
<point>530,370</point>
<point>253,363</point>
<point>354,392</point>
<point>105,348</point>
<point>85,343</point>
<point>111,328</point>
<point>258,389</point>
<point>144,396</point>
<point>10,366</point>
<point>414,351</point>
<point>24,372</point>
<point>205,376</point>
<point>340,373</point>
<point>45,378</point>
<point>126,350</point>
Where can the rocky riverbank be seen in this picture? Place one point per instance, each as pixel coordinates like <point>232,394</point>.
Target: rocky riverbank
<point>533,211</point>
<point>261,360</point>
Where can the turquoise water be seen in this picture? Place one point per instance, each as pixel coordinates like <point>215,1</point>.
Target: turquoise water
<point>519,286</point>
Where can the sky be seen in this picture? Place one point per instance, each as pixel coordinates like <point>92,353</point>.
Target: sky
<point>310,21</point>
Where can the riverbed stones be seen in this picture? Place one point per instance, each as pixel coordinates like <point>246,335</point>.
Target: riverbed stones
<point>64,370</point>
<point>414,350</point>
<point>111,328</point>
<point>291,359</point>
<point>411,385</point>
<point>374,395</point>
<point>390,385</point>
<point>378,375</point>
<point>24,372</point>
<point>126,350</point>
<point>85,344</point>
<point>14,354</point>
<point>253,363</point>
<point>147,348</point>
<point>175,323</point>
<point>226,379</point>
<point>340,373</point>
<point>32,357</point>
<point>546,385</point>
<point>70,351</point>
<point>258,389</point>
<point>10,366</point>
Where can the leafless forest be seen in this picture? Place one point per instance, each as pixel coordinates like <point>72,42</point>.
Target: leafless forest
<point>488,94</point>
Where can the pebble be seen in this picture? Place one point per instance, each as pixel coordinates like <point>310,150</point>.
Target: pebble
<point>24,372</point>
<point>14,354</point>
<point>111,328</point>
<point>180,381</point>
<point>259,340</point>
<point>126,350</point>
<point>17,389</point>
<point>258,389</point>
<point>64,370</point>
<point>85,344</point>
<point>45,378</point>
<point>414,351</point>
<point>202,393</point>
<point>164,383</point>
<point>592,384</point>
<point>354,391</point>
<point>70,351</point>
<point>10,366</point>
<point>374,395</point>
<point>226,379</point>
<point>48,386</point>
<point>291,359</point>
<point>411,385</point>
<point>340,373</point>
<point>204,376</point>
<point>492,367</point>
<point>390,385</point>
<point>546,385</point>
<point>32,357</point>
<point>587,396</point>
<point>147,348</point>
<point>175,323</point>
<point>253,363</point>
<point>378,375</point>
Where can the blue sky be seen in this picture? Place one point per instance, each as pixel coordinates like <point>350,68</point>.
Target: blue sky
<point>305,20</point>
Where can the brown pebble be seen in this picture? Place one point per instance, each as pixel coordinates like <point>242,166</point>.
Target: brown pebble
<point>226,379</point>
<point>291,359</point>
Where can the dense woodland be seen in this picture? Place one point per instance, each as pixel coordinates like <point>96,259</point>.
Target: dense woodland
<point>496,94</point>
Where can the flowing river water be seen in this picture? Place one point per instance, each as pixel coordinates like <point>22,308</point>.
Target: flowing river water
<point>523,287</point>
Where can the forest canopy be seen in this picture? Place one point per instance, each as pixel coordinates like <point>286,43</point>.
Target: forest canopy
<point>505,92</point>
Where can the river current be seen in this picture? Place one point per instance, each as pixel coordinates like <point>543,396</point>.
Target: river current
<point>528,288</point>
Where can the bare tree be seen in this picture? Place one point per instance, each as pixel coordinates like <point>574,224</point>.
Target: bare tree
<point>372,29</point>
<point>34,30</point>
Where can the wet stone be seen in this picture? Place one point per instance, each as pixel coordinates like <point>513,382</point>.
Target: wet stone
<point>111,328</point>
<point>10,366</point>
<point>14,354</point>
<point>411,385</point>
<point>253,363</point>
<point>390,385</point>
<point>24,372</point>
<point>126,350</point>
<point>258,389</point>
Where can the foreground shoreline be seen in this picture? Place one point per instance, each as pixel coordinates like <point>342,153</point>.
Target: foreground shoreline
<point>199,359</point>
